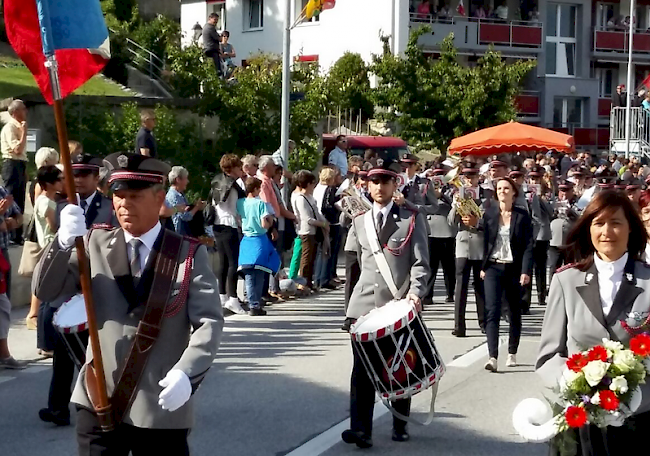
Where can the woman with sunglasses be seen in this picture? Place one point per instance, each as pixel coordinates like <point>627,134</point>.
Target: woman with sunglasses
<point>604,294</point>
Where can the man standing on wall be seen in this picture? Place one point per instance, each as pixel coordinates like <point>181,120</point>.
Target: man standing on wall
<point>212,41</point>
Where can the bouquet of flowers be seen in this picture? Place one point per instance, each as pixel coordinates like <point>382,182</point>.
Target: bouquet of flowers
<point>599,387</point>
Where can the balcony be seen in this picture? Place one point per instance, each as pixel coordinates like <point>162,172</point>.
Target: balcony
<point>604,107</point>
<point>614,43</point>
<point>586,137</point>
<point>527,104</point>
<point>513,39</point>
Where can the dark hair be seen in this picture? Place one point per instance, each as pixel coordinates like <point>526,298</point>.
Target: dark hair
<point>225,33</point>
<point>512,183</point>
<point>339,137</point>
<point>47,175</point>
<point>229,162</point>
<point>644,200</point>
<point>252,184</point>
<point>303,178</point>
<point>579,248</point>
<point>213,16</point>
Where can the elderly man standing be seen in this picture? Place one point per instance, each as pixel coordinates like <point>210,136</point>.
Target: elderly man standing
<point>145,143</point>
<point>13,142</point>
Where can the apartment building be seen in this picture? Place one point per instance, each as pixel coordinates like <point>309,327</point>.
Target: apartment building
<point>580,45</point>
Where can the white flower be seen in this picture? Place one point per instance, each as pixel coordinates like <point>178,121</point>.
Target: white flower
<point>612,345</point>
<point>595,371</point>
<point>624,360</point>
<point>568,377</point>
<point>619,385</point>
<point>595,399</point>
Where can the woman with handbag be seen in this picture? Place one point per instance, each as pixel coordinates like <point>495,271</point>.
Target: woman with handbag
<point>312,225</point>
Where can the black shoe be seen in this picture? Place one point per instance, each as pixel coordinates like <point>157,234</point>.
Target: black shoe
<point>330,286</point>
<point>58,418</point>
<point>400,435</point>
<point>525,312</point>
<point>482,329</point>
<point>346,324</point>
<point>257,312</point>
<point>450,299</point>
<point>270,299</point>
<point>458,333</point>
<point>357,437</point>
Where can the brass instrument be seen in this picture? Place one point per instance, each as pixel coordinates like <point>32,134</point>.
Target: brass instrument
<point>353,202</point>
<point>464,204</point>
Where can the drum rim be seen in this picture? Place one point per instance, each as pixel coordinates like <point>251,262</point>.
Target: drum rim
<point>76,328</point>
<point>382,332</point>
<point>411,391</point>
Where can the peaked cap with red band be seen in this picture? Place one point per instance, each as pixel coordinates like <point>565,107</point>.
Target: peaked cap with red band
<point>134,171</point>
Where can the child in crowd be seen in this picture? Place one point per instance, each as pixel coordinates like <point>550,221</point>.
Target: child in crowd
<point>257,256</point>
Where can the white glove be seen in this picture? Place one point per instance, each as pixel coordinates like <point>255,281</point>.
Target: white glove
<point>73,225</point>
<point>177,392</point>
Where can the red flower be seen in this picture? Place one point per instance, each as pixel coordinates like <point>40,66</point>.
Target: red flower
<point>598,353</point>
<point>640,345</point>
<point>577,362</point>
<point>608,400</point>
<point>575,416</point>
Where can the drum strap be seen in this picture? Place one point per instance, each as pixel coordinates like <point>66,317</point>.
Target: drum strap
<point>380,259</point>
<point>149,327</point>
<point>408,419</point>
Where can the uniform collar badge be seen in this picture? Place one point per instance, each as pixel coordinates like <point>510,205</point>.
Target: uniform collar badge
<point>629,276</point>
<point>589,277</point>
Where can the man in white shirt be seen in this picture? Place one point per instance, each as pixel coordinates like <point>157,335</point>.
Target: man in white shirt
<point>13,144</point>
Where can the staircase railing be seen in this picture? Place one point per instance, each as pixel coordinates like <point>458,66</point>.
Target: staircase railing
<point>639,127</point>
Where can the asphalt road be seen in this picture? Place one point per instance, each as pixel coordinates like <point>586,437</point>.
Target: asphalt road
<point>280,383</point>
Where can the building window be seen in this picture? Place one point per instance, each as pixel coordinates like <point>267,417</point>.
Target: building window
<point>606,78</point>
<point>567,112</point>
<point>605,12</point>
<point>219,7</point>
<point>561,42</point>
<point>300,7</point>
<point>253,14</point>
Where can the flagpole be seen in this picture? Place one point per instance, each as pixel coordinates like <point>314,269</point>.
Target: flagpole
<point>102,407</point>
<point>628,105</point>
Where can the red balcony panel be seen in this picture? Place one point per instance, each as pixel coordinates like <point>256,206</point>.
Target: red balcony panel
<point>523,35</point>
<point>560,130</point>
<point>613,41</point>
<point>591,137</point>
<point>494,33</point>
<point>641,42</point>
<point>603,138</point>
<point>604,107</point>
<point>527,104</point>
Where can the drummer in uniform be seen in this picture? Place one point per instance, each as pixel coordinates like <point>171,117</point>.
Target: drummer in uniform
<point>68,347</point>
<point>566,213</point>
<point>154,414</point>
<point>401,234</point>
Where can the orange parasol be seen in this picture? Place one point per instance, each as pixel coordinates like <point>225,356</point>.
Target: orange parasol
<point>511,137</point>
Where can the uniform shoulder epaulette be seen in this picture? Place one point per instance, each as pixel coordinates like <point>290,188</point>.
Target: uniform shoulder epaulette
<point>102,226</point>
<point>565,267</point>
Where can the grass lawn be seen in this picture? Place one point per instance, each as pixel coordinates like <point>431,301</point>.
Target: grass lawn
<point>16,81</point>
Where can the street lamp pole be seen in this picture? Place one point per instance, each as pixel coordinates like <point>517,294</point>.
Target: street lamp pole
<point>628,104</point>
<point>286,88</point>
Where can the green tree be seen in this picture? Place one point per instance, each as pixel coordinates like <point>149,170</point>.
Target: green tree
<point>436,100</point>
<point>349,86</point>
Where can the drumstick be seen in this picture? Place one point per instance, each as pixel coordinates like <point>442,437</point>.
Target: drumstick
<point>397,360</point>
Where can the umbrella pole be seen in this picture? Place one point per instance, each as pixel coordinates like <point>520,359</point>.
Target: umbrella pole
<point>102,407</point>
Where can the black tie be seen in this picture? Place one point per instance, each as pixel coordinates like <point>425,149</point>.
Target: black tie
<point>380,221</point>
<point>84,205</point>
<point>136,268</point>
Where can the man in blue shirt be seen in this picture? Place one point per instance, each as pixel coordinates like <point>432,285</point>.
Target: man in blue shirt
<point>338,156</point>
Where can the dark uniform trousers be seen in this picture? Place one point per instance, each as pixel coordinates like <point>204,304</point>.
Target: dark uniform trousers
<point>352,274</point>
<point>464,268</point>
<point>63,367</point>
<point>442,253</point>
<point>555,260</point>
<point>126,439</point>
<point>540,259</point>
<point>362,400</point>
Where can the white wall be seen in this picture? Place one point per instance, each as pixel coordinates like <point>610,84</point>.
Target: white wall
<point>191,13</point>
<point>352,25</point>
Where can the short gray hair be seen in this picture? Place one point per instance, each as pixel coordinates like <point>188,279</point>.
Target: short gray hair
<point>46,156</point>
<point>249,160</point>
<point>146,115</point>
<point>15,106</point>
<point>266,160</point>
<point>177,172</point>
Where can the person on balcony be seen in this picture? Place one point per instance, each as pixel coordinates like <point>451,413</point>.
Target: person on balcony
<point>444,13</point>
<point>501,12</point>
<point>425,10</point>
<point>480,12</point>
<point>619,98</point>
<point>645,104</point>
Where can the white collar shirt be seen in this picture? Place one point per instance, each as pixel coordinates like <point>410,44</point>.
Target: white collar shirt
<point>376,209</point>
<point>148,239</point>
<point>610,276</point>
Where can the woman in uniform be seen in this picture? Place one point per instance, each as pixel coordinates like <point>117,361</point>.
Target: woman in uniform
<point>603,294</point>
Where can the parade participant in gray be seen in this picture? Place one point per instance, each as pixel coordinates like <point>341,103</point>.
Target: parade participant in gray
<point>406,254</point>
<point>122,261</point>
<point>603,295</point>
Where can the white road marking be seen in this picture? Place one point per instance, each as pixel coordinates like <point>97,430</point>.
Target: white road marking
<point>34,369</point>
<point>474,355</point>
<point>323,442</point>
<point>6,379</point>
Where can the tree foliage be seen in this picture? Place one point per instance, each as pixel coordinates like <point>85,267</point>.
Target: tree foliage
<point>436,100</point>
<point>348,85</point>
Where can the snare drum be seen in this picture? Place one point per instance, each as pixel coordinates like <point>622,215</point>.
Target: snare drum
<point>71,322</point>
<point>397,350</point>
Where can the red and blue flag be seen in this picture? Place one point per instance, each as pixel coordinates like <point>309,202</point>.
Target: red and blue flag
<point>73,31</point>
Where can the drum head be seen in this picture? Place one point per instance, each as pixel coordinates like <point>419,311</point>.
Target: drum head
<point>383,321</point>
<point>71,316</point>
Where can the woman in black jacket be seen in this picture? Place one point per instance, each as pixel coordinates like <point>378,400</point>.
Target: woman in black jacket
<point>507,266</point>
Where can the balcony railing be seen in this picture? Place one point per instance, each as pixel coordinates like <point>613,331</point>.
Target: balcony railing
<point>592,137</point>
<point>528,103</point>
<point>639,128</point>
<point>617,41</point>
<point>516,34</point>
<point>604,107</point>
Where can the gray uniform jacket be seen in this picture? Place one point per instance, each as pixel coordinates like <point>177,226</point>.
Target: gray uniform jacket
<point>574,318</point>
<point>439,225</point>
<point>371,290</point>
<point>469,241</point>
<point>188,339</point>
<point>99,212</point>
<point>541,211</point>
<point>420,195</point>
<point>561,226</point>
